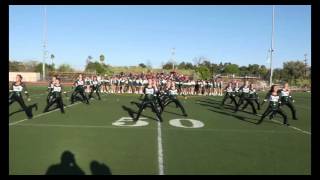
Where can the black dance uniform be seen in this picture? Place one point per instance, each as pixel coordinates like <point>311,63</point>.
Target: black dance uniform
<point>79,89</point>
<point>287,100</point>
<point>274,108</point>
<point>95,87</point>
<point>15,94</point>
<point>149,99</point>
<point>172,98</point>
<point>229,94</point>
<point>245,96</point>
<point>56,98</point>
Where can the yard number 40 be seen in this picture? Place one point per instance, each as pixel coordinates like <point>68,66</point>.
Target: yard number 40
<point>127,121</point>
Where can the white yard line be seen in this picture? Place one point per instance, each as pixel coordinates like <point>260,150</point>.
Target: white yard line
<point>160,150</point>
<point>173,129</point>
<point>292,127</point>
<point>39,115</point>
<point>77,126</point>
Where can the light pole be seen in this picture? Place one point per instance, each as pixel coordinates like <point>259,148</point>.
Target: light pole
<point>172,57</point>
<point>305,63</point>
<point>271,50</point>
<point>44,44</point>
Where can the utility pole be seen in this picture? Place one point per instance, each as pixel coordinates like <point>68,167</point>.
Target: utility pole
<point>305,63</point>
<point>271,50</point>
<point>172,57</point>
<point>44,44</point>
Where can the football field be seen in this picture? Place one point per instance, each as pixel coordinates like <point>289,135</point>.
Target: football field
<point>211,140</point>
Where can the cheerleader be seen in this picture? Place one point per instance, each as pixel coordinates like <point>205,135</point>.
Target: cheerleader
<point>220,85</point>
<point>215,87</point>
<point>229,94</point>
<point>50,88</point>
<point>56,96</point>
<point>15,95</point>
<point>149,99</point>
<point>172,98</point>
<point>95,87</point>
<point>287,100</point>
<point>252,97</point>
<point>274,105</point>
<point>79,89</point>
<point>245,96</point>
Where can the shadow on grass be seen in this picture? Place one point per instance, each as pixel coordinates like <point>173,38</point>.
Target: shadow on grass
<point>173,113</point>
<point>218,108</point>
<point>12,113</point>
<point>246,119</point>
<point>131,113</point>
<point>69,166</point>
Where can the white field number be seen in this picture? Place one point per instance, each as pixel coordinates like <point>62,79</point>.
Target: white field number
<point>177,123</point>
<point>127,121</point>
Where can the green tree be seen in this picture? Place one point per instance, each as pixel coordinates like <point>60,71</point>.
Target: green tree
<point>277,75</point>
<point>203,71</point>
<point>231,69</point>
<point>65,68</point>
<point>253,69</point>
<point>167,65</point>
<point>102,58</point>
<point>142,65</point>
<point>49,68</point>
<point>182,65</point>
<point>15,66</point>
<point>98,68</point>
<point>52,57</point>
<point>293,70</point>
<point>189,65</point>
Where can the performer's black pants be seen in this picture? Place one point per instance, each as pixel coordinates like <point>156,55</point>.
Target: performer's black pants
<point>272,113</point>
<point>81,92</point>
<point>153,106</point>
<point>248,101</point>
<point>228,95</point>
<point>95,89</point>
<point>58,101</point>
<point>173,99</point>
<point>290,105</point>
<point>28,110</point>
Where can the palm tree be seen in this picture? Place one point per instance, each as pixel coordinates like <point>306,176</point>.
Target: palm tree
<point>102,58</point>
<point>52,57</point>
<point>89,59</point>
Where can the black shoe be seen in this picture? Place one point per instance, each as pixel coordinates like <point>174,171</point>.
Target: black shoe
<point>30,117</point>
<point>36,106</point>
<point>295,118</point>
<point>63,112</point>
<point>185,114</point>
<point>134,119</point>
<point>287,124</point>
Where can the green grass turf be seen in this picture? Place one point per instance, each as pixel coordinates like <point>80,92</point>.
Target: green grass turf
<point>229,143</point>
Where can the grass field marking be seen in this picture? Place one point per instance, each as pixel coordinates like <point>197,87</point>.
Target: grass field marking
<point>76,126</point>
<point>39,115</point>
<point>195,123</point>
<point>171,129</point>
<point>293,127</point>
<point>122,122</point>
<point>160,150</point>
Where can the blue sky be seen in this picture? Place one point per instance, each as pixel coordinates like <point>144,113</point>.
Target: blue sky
<point>129,35</point>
